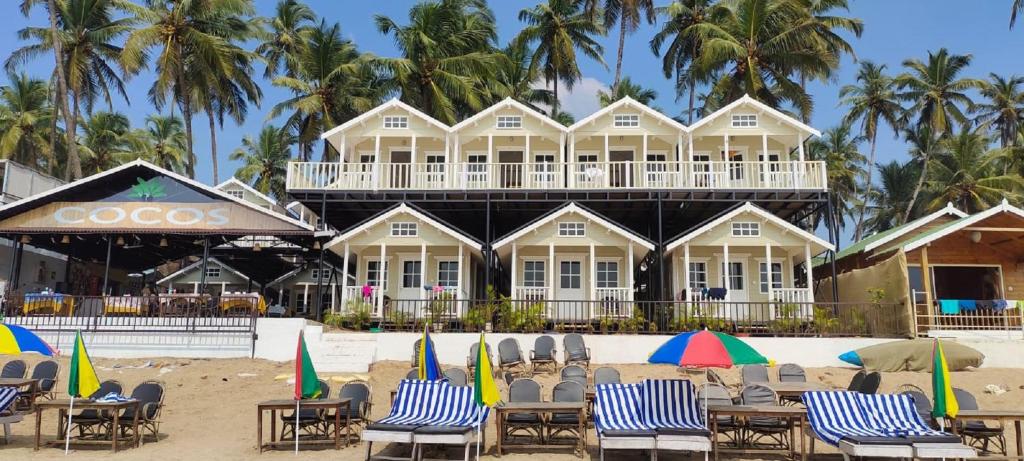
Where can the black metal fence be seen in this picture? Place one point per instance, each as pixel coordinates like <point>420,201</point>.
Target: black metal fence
<point>632,317</point>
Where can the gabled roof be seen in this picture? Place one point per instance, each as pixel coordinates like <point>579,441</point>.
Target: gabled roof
<point>628,101</point>
<point>394,102</point>
<point>948,228</point>
<point>509,102</point>
<point>238,182</point>
<point>406,208</point>
<point>573,208</point>
<point>84,183</point>
<point>874,241</point>
<point>196,265</point>
<point>746,208</point>
<point>297,271</point>
<point>746,99</point>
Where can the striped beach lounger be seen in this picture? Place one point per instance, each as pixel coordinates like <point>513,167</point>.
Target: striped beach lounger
<point>670,407</point>
<point>7,416</point>
<point>618,420</point>
<point>454,422</point>
<point>896,414</point>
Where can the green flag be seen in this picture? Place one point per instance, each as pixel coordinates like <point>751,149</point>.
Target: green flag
<point>307,386</point>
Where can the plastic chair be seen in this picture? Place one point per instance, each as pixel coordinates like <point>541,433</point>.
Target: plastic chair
<point>524,390</point>
<point>543,354</point>
<point>510,356</point>
<point>871,383</point>
<point>754,374</point>
<point>576,350</point>
<point>759,428</point>
<point>558,423</point>
<point>574,373</point>
<point>607,375</point>
<point>856,381</point>
<point>456,376</point>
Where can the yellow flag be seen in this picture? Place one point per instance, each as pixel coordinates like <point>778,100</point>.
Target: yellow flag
<point>82,380</point>
<point>485,391</point>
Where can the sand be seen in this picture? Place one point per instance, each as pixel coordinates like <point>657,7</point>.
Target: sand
<point>210,407</point>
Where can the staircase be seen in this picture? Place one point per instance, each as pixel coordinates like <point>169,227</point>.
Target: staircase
<point>342,352</point>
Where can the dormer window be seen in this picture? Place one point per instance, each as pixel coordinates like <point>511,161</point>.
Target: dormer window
<point>392,122</point>
<point>212,272</point>
<point>627,120</point>
<point>746,229</point>
<point>572,229</point>
<point>744,121</point>
<point>404,229</point>
<point>234,193</point>
<point>508,122</point>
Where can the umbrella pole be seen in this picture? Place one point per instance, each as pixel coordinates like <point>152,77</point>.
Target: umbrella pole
<point>706,425</point>
<point>296,428</point>
<point>67,435</point>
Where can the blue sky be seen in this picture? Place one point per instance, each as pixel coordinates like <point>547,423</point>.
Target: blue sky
<point>894,31</point>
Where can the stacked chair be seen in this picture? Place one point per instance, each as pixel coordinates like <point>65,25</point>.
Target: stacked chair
<point>881,425</point>
<point>428,413</point>
<point>543,354</point>
<point>656,414</point>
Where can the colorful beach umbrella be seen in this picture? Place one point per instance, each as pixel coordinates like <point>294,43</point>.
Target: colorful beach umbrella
<point>307,385</point>
<point>82,381</point>
<point>16,340</point>
<point>942,388</point>
<point>706,349</point>
<point>429,368</point>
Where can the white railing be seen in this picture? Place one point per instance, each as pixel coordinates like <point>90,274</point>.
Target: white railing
<point>801,299</point>
<point>613,302</point>
<point>531,293</point>
<point>355,294</point>
<point>714,175</point>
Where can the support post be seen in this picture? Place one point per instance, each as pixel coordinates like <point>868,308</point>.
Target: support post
<point>725,270</point>
<point>515,270</point>
<point>809,270</point>
<point>202,273</point>
<point>593,275</point>
<point>381,271</point>
<point>344,278</point>
<point>106,263</point>
<point>725,158</point>
<point>686,272</point>
<point>341,150</point>
<point>771,279</point>
<point>527,162</point>
<point>487,243</point>
<point>629,272</point>
<point>376,163</point>
<point>833,237</point>
<point>13,278</point>
<point>458,284</point>
<point>661,252</point>
<point>926,280</point>
<point>764,160</point>
<point>571,161</point>
<point>414,162</point>
<point>320,286</point>
<point>423,271</point>
<point>551,271</point>
<point>689,159</point>
<point>608,161</point>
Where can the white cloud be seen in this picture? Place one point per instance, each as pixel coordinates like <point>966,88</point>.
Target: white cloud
<point>582,100</point>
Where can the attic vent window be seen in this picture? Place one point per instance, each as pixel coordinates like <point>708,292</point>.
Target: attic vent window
<point>235,193</point>
<point>746,229</point>
<point>212,272</point>
<point>627,120</point>
<point>396,122</point>
<point>572,229</point>
<point>404,229</point>
<point>507,122</point>
<point>744,121</point>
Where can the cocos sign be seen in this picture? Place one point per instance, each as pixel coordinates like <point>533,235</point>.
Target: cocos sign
<point>144,215</point>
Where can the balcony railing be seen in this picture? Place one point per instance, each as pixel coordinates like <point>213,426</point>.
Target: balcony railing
<point>715,175</point>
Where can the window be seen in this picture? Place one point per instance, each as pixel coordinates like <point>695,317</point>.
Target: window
<point>627,120</point>
<point>746,229</point>
<point>698,275</point>
<point>315,274</point>
<point>396,121</point>
<point>404,229</point>
<point>374,276</point>
<point>448,274</point>
<point>506,122</point>
<point>776,276</point>
<point>572,229</point>
<point>744,121</point>
<point>587,158</point>
<point>235,193</point>
<point>735,279</point>
<point>367,158</point>
<point>412,274</point>
<point>434,158</point>
<point>212,272</point>
<point>533,274</point>
<point>571,275</point>
<point>607,274</point>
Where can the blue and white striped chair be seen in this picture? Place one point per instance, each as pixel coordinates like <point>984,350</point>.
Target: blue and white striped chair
<point>7,415</point>
<point>618,420</point>
<point>896,414</point>
<point>670,407</point>
<point>454,423</point>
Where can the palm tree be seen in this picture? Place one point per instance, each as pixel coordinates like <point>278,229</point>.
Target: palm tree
<point>82,35</point>
<point>629,14</point>
<point>106,141</point>
<point>936,92</point>
<point>1004,110</point>
<point>25,116</point>
<point>165,144</point>
<point>844,163</point>
<point>684,45</point>
<point>966,173</point>
<point>892,196</point>
<point>515,76</point>
<point>626,87</point>
<point>333,83</point>
<point>560,29</point>
<point>190,37</point>
<point>283,43</point>
<point>871,100</point>
<point>265,159</point>
<point>923,146</point>
<point>447,51</point>
<point>1017,7</point>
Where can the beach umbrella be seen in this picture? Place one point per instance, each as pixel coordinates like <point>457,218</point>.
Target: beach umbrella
<point>485,391</point>
<point>913,355</point>
<point>706,349</point>
<point>307,385</point>
<point>429,368</point>
<point>942,388</point>
<point>82,381</point>
<point>16,340</point>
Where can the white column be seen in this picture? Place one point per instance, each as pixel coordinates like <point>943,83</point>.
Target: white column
<point>593,272</point>
<point>195,288</point>
<point>768,269</point>
<point>413,165</point>
<point>528,164</point>
<point>689,160</point>
<point>561,159</point>
<point>800,147</point>
<point>679,159</point>
<point>381,268</point>
<point>376,162</point>
<point>305,296</point>
<point>809,269</point>
<point>551,271</point>
<point>607,159</point>
<point>423,270</point>
<point>334,305</point>
<point>798,178</point>
<point>571,161</point>
<point>344,278</point>
<point>686,271</point>
<point>458,283</point>
<point>449,170</point>
<point>515,270</point>
<point>724,270</point>
<point>460,169</point>
<point>629,271</point>
<point>491,170</point>
<point>341,150</point>
<point>725,158</point>
<point>643,158</point>
<point>764,159</point>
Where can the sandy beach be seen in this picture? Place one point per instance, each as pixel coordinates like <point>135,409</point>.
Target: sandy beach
<point>210,407</point>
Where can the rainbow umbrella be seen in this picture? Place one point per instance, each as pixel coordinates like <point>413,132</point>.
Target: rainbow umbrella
<point>706,349</point>
<point>16,340</point>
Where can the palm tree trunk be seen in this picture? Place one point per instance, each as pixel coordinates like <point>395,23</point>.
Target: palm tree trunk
<point>867,191</point>
<point>917,189</point>
<point>213,143</point>
<point>185,99</point>
<point>73,169</point>
<point>53,132</point>
<point>618,61</point>
<point>554,106</point>
<point>693,91</point>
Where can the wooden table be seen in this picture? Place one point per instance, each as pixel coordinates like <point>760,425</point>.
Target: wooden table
<point>502,411</point>
<point>795,389</point>
<point>795,416</point>
<point>113,408</point>
<point>31,385</point>
<point>1002,416</point>
<point>315,404</point>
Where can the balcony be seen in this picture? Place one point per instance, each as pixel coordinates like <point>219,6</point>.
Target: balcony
<point>710,175</point>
